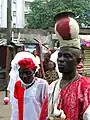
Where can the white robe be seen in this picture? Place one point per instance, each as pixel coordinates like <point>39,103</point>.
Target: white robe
<point>33,99</point>
<point>54,90</point>
<point>14,73</point>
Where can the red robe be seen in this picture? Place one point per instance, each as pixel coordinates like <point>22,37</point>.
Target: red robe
<point>74,100</point>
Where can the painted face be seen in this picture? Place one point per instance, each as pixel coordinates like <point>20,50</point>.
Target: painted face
<point>66,61</point>
<point>26,75</point>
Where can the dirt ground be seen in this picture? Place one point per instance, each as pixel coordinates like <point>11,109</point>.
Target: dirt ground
<point>5,110</point>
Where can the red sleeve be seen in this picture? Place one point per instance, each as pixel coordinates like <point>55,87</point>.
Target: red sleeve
<point>44,110</point>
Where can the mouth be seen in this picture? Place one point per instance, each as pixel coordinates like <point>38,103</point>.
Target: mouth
<point>60,65</point>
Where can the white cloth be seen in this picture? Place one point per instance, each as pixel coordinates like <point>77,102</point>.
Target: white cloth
<point>21,55</point>
<point>14,76</point>
<point>73,42</point>
<point>33,99</point>
<point>37,60</point>
<point>54,59</point>
<point>14,73</point>
<point>86,115</point>
<point>53,92</point>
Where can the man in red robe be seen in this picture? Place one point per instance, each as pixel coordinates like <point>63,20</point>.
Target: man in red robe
<point>69,97</point>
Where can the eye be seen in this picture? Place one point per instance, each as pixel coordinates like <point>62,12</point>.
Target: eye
<point>20,73</point>
<point>59,55</point>
<point>67,56</point>
<point>29,73</point>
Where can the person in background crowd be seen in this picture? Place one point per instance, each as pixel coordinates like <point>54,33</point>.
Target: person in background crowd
<point>36,56</point>
<point>80,68</point>
<point>54,59</point>
<point>46,61</point>
<point>51,74</point>
<point>29,92</point>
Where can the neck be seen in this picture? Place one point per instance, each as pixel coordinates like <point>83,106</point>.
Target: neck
<point>68,76</point>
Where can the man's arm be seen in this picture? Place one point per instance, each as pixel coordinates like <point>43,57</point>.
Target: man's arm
<point>14,113</point>
<point>86,108</point>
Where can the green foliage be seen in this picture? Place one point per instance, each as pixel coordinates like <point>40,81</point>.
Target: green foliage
<point>42,12</point>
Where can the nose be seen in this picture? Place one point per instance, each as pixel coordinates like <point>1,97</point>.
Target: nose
<point>61,59</point>
<point>24,75</point>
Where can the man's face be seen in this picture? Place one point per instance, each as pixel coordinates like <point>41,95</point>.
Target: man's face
<point>66,61</point>
<point>46,57</point>
<point>35,53</point>
<point>26,75</point>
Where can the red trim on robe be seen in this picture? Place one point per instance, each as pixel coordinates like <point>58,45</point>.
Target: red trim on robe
<point>44,110</point>
<point>19,95</point>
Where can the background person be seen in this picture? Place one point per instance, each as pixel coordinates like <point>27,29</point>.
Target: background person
<point>51,74</point>
<point>80,68</point>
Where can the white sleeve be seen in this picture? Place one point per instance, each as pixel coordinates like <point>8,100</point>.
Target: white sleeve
<point>44,91</point>
<point>86,115</point>
<point>14,113</point>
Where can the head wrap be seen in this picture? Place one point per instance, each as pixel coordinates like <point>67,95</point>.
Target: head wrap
<point>27,63</point>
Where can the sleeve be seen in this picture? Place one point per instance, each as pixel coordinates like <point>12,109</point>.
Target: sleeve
<point>86,107</point>
<point>44,91</point>
<point>14,113</point>
<point>44,110</point>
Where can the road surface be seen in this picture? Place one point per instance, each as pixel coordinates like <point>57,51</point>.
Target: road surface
<point>5,110</point>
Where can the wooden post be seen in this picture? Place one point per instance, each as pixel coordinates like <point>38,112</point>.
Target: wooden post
<point>41,62</point>
<point>7,66</point>
<point>9,30</point>
<point>8,39</point>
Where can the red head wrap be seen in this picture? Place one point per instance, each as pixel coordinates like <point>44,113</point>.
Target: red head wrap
<point>27,63</point>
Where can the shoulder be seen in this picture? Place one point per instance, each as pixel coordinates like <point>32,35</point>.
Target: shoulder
<point>41,81</point>
<point>85,82</point>
<point>37,57</point>
<point>54,84</point>
<point>18,83</point>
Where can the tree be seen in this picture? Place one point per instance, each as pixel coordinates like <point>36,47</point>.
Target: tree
<point>42,12</point>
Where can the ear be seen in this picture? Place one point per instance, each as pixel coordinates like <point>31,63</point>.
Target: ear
<point>78,60</point>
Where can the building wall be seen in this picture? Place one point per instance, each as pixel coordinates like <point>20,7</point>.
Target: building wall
<point>86,61</point>
<point>3,13</point>
<point>20,14</point>
<point>17,13</point>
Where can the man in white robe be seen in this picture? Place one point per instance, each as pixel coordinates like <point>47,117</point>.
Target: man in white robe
<point>29,92</point>
<point>14,73</point>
